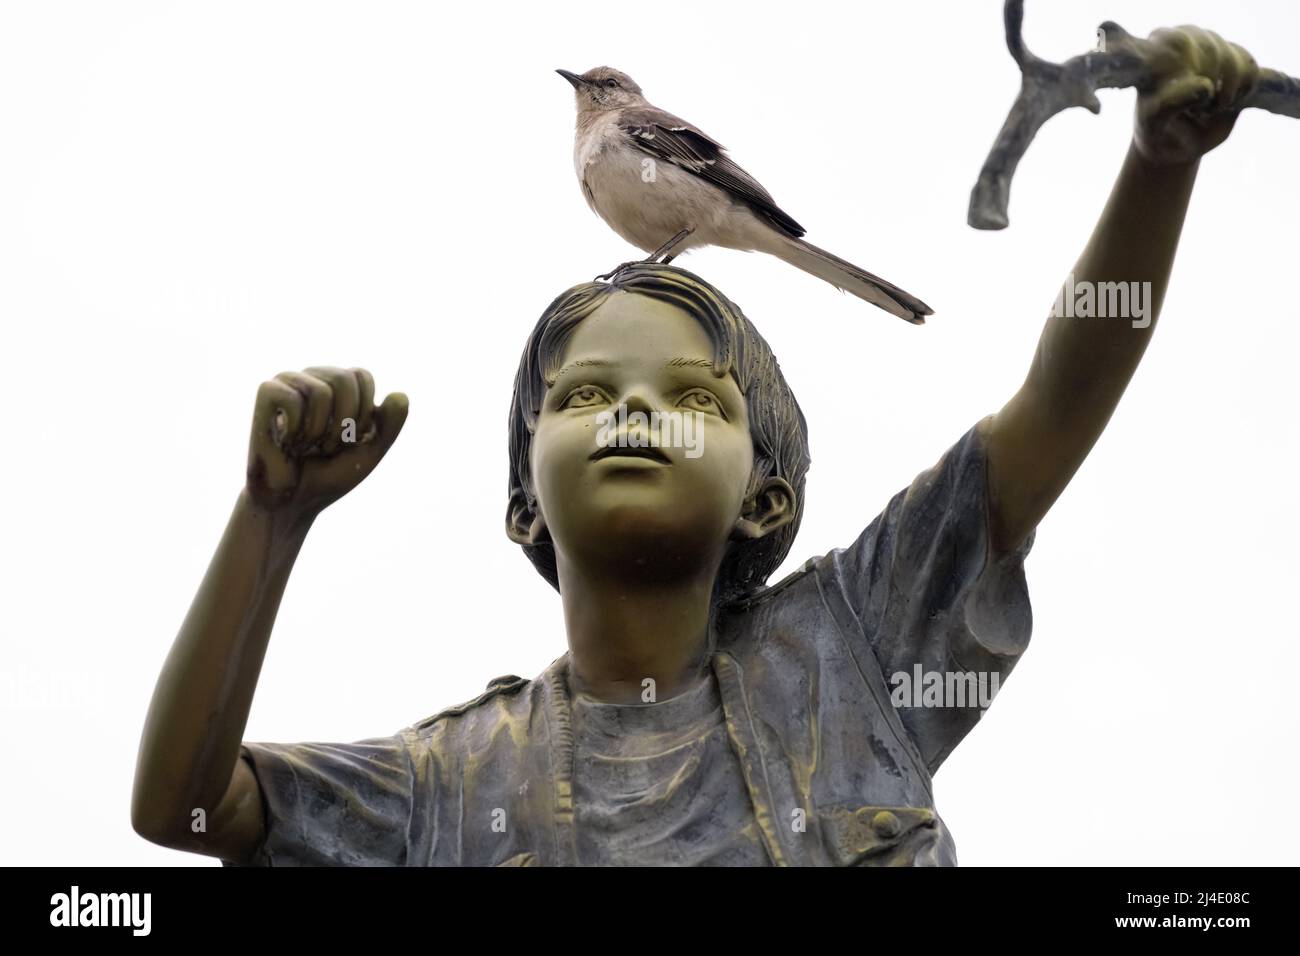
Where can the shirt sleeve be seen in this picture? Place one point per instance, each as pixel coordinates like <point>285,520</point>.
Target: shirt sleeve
<point>945,619</point>
<point>333,804</point>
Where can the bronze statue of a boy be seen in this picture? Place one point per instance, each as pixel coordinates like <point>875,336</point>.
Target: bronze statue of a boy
<point>699,716</point>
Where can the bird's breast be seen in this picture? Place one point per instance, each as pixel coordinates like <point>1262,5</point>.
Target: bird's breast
<point>646,201</point>
<point>593,138</point>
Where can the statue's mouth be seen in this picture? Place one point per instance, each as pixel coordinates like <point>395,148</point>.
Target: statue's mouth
<point>649,451</point>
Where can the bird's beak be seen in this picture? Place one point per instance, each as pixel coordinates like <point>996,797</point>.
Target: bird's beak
<point>577,81</point>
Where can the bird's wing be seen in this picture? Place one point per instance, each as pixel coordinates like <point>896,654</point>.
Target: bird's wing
<point>665,137</point>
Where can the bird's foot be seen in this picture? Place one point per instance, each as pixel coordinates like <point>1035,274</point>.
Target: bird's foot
<point>626,265</point>
<point>661,256</point>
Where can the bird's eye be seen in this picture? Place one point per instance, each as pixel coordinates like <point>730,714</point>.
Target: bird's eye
<point>583,396</point>
<point>611,82</point>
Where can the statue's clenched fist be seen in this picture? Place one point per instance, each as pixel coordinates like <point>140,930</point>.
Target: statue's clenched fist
<point>1199,83</point>
<point>316,435</point>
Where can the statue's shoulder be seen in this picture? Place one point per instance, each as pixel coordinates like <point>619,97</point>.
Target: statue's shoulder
<point>786,589</point>
<point>499,688</point>
<point>798,611</point>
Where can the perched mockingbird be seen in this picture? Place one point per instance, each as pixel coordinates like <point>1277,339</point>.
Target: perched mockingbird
<point>666,187</point>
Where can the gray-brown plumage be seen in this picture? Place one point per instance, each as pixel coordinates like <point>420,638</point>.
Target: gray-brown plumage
<point>666,186</point>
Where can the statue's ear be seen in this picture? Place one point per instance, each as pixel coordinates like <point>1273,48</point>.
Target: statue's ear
<point>771,507</point>
<point>523,526</point>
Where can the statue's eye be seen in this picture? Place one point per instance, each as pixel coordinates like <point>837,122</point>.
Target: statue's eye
<point>611,82</point>
<point>701,401</point>
<point>583,396</point>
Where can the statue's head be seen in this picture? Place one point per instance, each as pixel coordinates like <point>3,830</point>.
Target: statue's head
<point>653,438</point>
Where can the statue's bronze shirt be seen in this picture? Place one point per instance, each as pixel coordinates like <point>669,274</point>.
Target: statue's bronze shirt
<point>659,785</point>
<point>821,767</point>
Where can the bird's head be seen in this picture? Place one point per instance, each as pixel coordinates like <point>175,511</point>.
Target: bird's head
<point>603,88</point>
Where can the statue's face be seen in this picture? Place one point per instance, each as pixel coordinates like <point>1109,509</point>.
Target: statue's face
<point>666,511</point>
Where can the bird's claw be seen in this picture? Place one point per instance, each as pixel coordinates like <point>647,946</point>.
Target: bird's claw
<point>626,265</point>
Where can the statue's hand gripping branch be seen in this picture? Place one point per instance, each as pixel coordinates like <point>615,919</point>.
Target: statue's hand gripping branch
<point>1196,84</point>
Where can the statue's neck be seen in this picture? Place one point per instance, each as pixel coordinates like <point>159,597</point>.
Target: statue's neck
<point>638,642</point>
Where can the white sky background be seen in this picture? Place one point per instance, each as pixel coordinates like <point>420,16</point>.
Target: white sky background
<point>194,198</point>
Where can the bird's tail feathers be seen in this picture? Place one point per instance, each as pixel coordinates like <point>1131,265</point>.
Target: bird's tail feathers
<point>845,275</point>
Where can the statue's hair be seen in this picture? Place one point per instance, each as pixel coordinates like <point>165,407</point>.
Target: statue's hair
<point>776,423</point>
